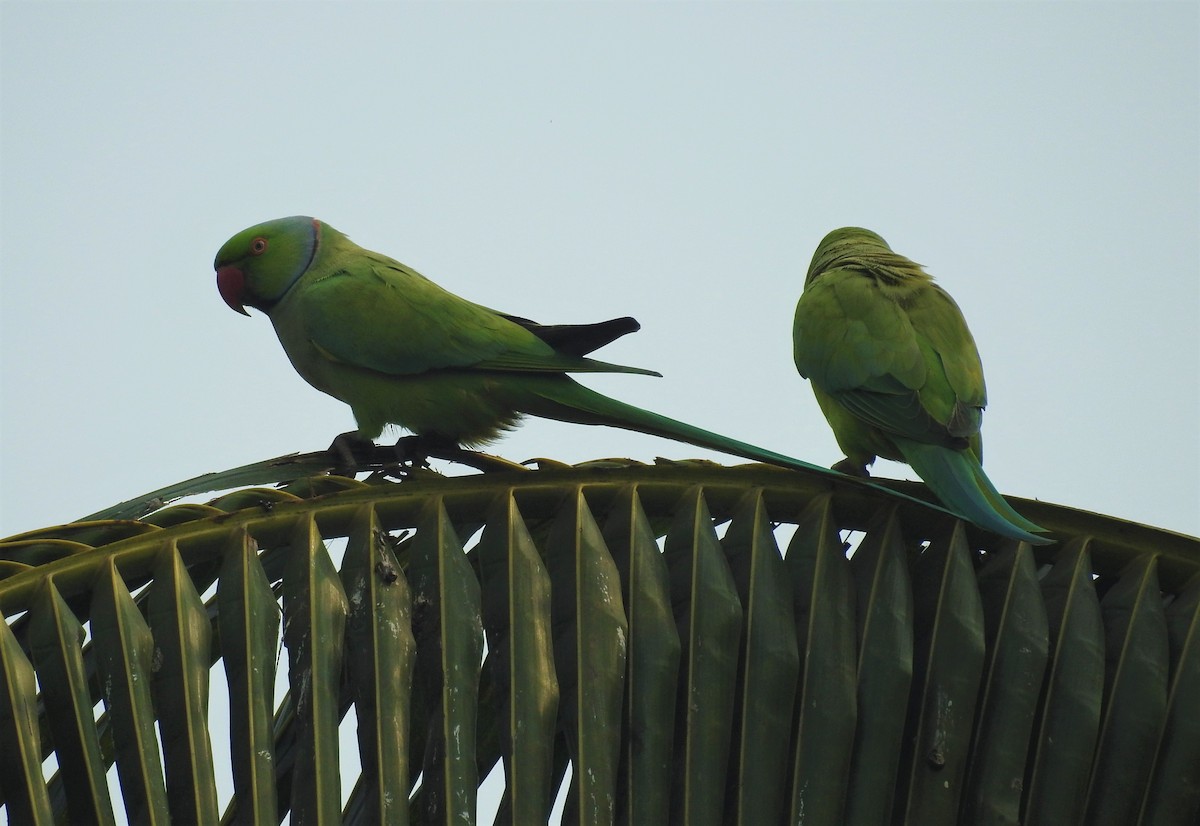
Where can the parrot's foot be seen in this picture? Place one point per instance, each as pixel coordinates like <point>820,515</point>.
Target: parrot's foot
<point>351,452</point>
<point>415,451</point>
<point>852,468</point>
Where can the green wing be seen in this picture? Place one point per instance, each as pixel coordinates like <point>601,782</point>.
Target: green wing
<point>378,314</point>
<point>955,393</point>
<point>910,371</point>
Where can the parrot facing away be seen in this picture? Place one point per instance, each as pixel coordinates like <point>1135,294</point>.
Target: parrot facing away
<point>401,350</point>
<point>897,374</point>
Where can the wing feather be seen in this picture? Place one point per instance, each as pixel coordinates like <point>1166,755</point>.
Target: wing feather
<point>378,314</point>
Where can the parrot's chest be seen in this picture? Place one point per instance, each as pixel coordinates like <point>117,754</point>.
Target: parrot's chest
<point>309,362</point>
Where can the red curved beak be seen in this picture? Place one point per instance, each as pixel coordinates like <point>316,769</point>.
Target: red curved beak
<point>232,286</point>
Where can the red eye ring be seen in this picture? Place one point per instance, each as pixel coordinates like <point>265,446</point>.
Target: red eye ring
<point>258,246</point>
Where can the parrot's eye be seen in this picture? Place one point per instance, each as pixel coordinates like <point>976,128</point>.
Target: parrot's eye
<point>258,246</point>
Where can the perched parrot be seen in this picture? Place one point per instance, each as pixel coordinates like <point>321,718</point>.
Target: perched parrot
<point>896,373</point>
<point>401,350</point>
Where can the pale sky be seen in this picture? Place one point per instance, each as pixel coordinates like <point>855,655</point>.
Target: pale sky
<point>574,162</point>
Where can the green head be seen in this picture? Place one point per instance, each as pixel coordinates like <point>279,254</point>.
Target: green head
<point>863,250</point>
<point>259,265</point>
<point>841,244</point>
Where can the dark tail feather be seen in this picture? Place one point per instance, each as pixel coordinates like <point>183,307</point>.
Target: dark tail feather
<point>579,339</point>
<point>959,481</point>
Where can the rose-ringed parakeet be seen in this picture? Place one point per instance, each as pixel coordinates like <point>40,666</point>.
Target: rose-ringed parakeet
<point>897,374</point>
<point>401,350</point>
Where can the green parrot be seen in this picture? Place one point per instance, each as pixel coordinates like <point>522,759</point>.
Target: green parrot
<point>401,350</point>
<point>897,374</point>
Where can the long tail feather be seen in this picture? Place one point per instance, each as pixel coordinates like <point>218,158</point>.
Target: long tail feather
<point>569,401</point>
<point>959,481</point>
<point>997,501</point>
<point>564,399</point>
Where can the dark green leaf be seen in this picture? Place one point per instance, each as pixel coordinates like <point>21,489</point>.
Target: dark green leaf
<point>768,669</point>
<point>449,634</point>
<point>827,705</point>
<point>947,663</point>
<point>55,635</point>
<point>314,625</point>
<point>1017,644</point>
<point>516,615</point>
<point>1065,731</point>
<point>885,665</point>
<point>590,638</point>
<point>381,656</point>
<point>1173,794</point>
<point>249,626</point>
<point>708,615</point>
<point>182,654</point>
<point>1135,705</point>
<point>21,779</point>
<point>652,670</point>
<point>124,649</point>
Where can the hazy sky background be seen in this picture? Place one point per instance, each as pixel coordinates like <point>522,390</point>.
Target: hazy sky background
<point>571,163</point>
